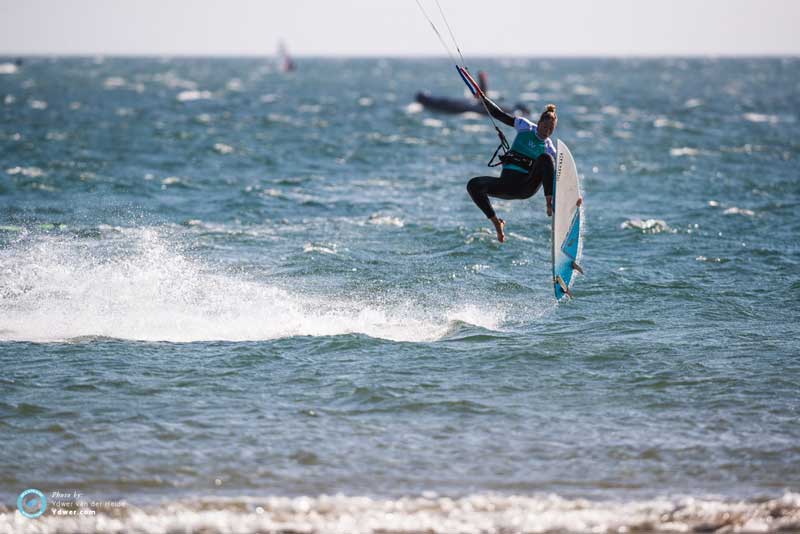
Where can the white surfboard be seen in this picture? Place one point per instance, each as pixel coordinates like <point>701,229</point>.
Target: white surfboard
<point>567,239</point>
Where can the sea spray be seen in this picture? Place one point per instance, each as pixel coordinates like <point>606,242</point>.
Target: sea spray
<point>141,285</point>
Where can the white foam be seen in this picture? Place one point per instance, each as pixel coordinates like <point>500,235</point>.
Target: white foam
<point>732,210</point>
<point>739,211</point>
<point>647,226</point>
<point>761,118</point>
<point>385,220</point>
<point>683,151</point>
<point>475,128</point>
<point>31,172</point>
<point>114,82</point>
<point>222,148</point>
<point>582,90</point>
<point>310,108</point>
<point>281,118</point>
<point>663,122</point>
<point>171,180</point>
<point>171,80</point>
<point>324,249</point>
<point>472,514</point>
<point>188,96</point>
<point>8,68</point>
<point>135,283</point>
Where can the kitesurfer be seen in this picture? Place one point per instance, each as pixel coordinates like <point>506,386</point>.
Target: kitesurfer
<point>483,81</point>
<point>528,165</point>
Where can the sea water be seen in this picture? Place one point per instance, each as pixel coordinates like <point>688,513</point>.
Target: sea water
<point>242,300</point>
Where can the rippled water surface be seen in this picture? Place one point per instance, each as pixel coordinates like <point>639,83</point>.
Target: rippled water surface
<point>219,280</point>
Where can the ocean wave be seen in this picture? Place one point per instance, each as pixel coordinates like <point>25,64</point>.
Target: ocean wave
<point>583,90</point>
<point>188,96</point>
<point>647,226</point>
<point>31,172</point>
<point>413,108</point>
<point>430,513</point>
<point>733,210</point>
<point>684,151</point>
<point>394,138</point>
<point>761,118</point>
<point>328,248</point>
<point>136,284</point>
<point>385,220</point>
<point>114,82</point>
<point>433,123</point>
<point>663,122</point>
<point>171,80</point>
<point>222,148</point>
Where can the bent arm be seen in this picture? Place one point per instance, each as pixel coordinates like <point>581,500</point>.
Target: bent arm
<point>498,113</point>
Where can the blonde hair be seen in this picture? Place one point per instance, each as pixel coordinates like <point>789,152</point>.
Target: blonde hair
<point>549,113</point>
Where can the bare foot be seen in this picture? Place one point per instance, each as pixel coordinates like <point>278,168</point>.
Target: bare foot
<point>499,224</point>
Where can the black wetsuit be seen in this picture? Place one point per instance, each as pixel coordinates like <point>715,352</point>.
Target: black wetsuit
<point>512,184</point>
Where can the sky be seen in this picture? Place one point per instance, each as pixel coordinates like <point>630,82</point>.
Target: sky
<point>398,28</point>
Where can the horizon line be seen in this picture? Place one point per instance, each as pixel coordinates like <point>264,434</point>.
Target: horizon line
<point>248,55</point>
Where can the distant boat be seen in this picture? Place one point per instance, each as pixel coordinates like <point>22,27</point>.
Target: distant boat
<point>445,104</point>
<point>285,61</point>
<point>448,105</point>
<point>9,68</point>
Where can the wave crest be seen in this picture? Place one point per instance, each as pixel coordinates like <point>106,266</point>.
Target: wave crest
<point>138,285</point>
<point>486,514</point>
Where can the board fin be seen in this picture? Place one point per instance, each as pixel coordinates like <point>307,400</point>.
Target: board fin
<point>577,267</point>
<point>564,287</point>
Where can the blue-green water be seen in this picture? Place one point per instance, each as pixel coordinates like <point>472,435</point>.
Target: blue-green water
<point>220,280</point>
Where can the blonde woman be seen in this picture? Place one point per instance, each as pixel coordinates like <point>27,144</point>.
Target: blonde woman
<point>528,165</point>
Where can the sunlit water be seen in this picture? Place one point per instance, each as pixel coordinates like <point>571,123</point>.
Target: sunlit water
<point>219,281</point>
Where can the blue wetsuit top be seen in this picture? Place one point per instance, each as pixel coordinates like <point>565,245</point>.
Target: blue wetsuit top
<point>527,142</point>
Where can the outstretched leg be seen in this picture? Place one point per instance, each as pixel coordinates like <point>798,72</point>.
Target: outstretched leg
<point>479,189</point>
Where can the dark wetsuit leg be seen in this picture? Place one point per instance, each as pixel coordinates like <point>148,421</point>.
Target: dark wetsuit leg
<point>543,172</point>
<point>512,184</point>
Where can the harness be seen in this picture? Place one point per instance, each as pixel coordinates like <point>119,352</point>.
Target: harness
<point>513,158</point>
<point>504,146</point>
